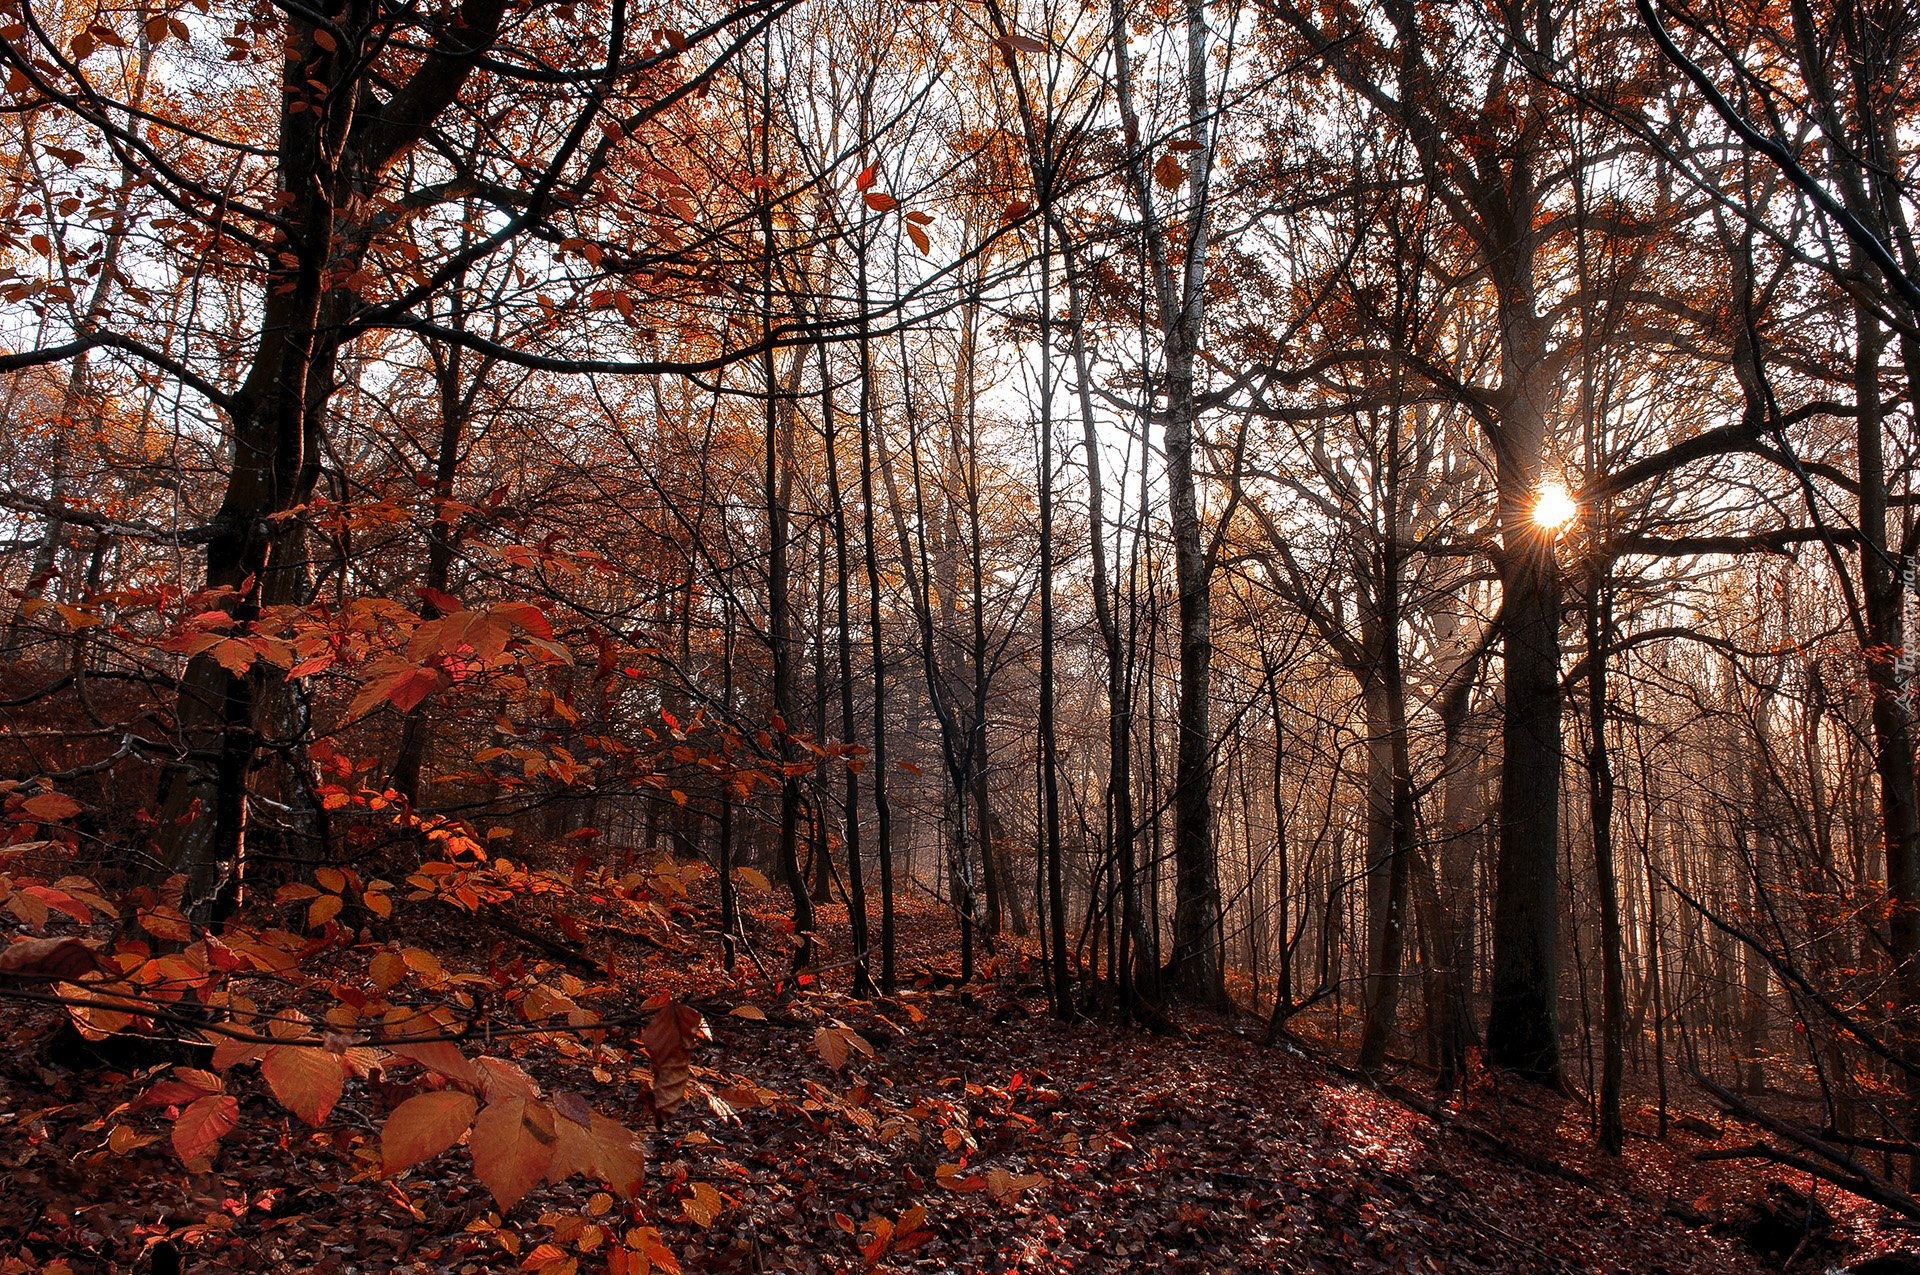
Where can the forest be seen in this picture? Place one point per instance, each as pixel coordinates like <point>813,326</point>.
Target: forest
<point>963,635</point>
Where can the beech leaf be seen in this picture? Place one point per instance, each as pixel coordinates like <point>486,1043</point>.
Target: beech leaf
<point>513,1142</point>
<point>423,1126</point>
<point>669,1038</point>
<point>306,1079</point>
<point>202,1125</point>
<point>50,807</point>
<point>48,958</point>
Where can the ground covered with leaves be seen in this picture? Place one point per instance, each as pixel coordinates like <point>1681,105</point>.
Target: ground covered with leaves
<point>941,1129</point>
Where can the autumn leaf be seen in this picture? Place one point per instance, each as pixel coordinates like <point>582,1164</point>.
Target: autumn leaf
<point>954,1178</point>
<point>512,1145</point>
<point>644,1253</point>
<point>50,807</point>
<point>48,958</point>
<point>499,1079</point>
<point>1021,44</point>
<point>165,922</point>
<point>439,599</point>
<point>404,688</point>
<point>703,1205</point>
<point>323,909</point>
<point>423,1126</point>
<point>670,1036</point>
<point>1169,172</point>
<point>880,201</point>
<point>1005,1187</point>
<point>925,245</point>
<point>617,1156</point>
<point>202,1125</point>
<point>442,1057</point>
<point>836,1044</point>
<point>235,655</point>
<point>526,615</point>
<point>879,1237</point>
<point>307,1079</point>
<point>386,969</point>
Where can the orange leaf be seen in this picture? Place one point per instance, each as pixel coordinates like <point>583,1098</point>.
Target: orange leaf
<point>323,909</point>
<point>669,1039</point>
<point>423,1126</point>
<point>1005,1187</point>
<point>512,1146</point>
<point>307,1080</point>
<point>235,655</point>
<point>442,1057</point>
<point>50,807</point>
<point>386,969</point>
<point>618,1157</point>
<point>203,1124</point>
<point>836,1044</point>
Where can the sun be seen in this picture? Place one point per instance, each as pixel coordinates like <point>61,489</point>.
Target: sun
<point>1554,506</point>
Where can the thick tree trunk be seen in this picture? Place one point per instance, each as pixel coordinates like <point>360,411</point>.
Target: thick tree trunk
<point>1523,1032</point>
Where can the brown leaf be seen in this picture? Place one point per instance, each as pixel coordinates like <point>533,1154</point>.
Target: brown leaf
<point>423,1126</point>
<point>836,1044</point>
<point>48,958</point>
<point>513,1142</point>
<point>306,1079</point>
<point>669,1038</point>
<point>440,1056</point>
<point>704,1206</point>
<point>50,807</point>
<point>1004,1187</point>
<point>1021,44</point>
<point>618,1156</point>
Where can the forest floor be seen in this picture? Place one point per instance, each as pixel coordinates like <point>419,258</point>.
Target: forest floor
<point>979,1134</point>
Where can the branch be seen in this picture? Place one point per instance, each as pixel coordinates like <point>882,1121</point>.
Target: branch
<point>127,345</point>
<point>1778,541</point>
<point>1838,1168</point>
<point>1856,230</point>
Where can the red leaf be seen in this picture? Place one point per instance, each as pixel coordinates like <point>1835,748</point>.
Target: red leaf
<point>443,602</point>
<point>202,1125</point>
